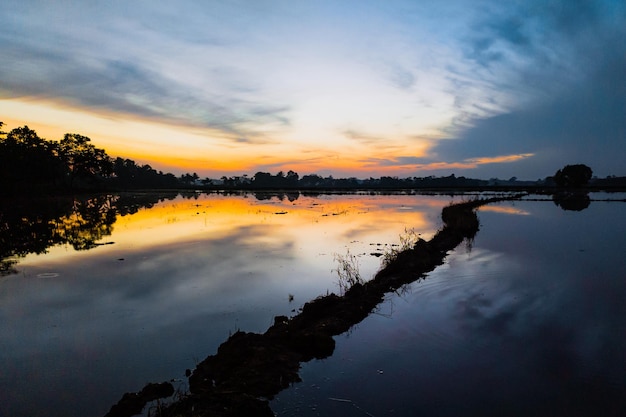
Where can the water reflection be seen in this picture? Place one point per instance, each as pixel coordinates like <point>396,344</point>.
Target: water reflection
<point>177,279</point>
<point>530,322</point>
<point>572,200</point>
<point>34,225</point>
<point>51,226</point>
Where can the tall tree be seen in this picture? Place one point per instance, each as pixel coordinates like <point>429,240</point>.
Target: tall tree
<point>82,159</point>
<point>292,178</point>
<point>25,157</point>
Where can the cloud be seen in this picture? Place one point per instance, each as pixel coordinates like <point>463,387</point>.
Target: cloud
<point>361,137</point>
<point>499,159</point>
<point>575,109</point>
<point>586,124</point>
<point>497,79</point>
<point>425,165</point>
<point>118,70</point>
<point>402,78</point>
<point>131,88</point>
<point>399,161</point>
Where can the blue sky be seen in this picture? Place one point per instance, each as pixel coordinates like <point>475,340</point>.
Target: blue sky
<point>479,88</point>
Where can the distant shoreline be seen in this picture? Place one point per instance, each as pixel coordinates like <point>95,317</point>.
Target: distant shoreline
<point>543,190</point>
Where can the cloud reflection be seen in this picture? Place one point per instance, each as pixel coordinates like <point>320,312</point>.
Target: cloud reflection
<point>180,276</point>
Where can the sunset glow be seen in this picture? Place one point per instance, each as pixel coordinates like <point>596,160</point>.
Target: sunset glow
<point>309,222</point>
<point>355,88</point>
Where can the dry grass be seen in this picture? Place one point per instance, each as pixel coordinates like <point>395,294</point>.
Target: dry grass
<point>347,271</point>
<point>408,239</point>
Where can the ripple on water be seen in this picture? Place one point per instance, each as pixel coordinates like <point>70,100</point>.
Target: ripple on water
<point>48,275</point>
<point>434,315</point>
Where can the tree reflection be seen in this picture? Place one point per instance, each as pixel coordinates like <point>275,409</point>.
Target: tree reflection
<point>267,195</point>
<point>88,222</point>
<point>572,201</point>
<point>34,225</point>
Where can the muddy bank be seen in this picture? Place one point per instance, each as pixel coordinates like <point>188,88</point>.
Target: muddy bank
<point>251,368</point>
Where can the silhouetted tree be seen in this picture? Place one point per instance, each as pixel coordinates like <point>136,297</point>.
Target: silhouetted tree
<point>189,179</point>
<point>83,160</point>
<point>125,171</point>
<point>127,174</point>
<point>573,176</point>
<point>311,181</point>
<point>27,158</point>
<point>292,179</point>
<point>262,180</point>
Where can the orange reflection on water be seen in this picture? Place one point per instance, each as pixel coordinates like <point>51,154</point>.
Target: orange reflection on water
<point>217,215</point>
<point>309,226</point>
<point>505,210</point>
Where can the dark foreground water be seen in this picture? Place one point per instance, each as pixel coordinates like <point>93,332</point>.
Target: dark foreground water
<point>527,320</point>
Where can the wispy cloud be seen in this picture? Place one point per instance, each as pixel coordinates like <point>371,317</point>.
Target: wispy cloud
<point>494,79</point>
<point>361,137</point>
<point>71,69</point>
<point>427,165</point>
<point>499,159</point>
<point>402,77</point>
<point>586,123</point>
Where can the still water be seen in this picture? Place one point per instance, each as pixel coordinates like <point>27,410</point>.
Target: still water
<point>528,319</point>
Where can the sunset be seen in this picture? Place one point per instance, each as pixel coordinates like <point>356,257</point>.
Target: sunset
<point>304,208</point>
<point>347,88</point>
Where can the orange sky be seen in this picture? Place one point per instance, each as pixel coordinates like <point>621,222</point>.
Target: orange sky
<point>352,88</point>
<point>188,149</point>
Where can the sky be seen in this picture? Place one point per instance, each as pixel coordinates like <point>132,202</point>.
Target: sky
<point>481,88</point>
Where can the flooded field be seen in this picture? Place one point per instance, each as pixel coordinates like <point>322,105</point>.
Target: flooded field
<point>100,296</point>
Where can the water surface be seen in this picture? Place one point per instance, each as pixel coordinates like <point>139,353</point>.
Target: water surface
<point>526,319</point>
<point>529,321</point>
<point>157,285</point>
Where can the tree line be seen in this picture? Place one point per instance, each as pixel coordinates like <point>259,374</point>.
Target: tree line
<point>28,161</point>
<point>570,176</point>
<point>292,180</point>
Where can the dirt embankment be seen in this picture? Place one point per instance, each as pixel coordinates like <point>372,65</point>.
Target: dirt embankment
<point>250,368</point>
